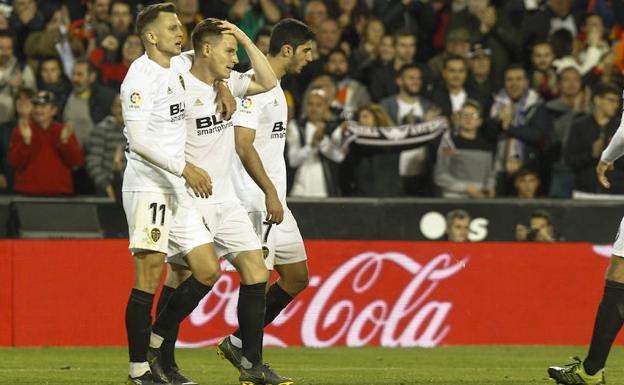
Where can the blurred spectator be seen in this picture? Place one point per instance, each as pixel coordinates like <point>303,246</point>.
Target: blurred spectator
<point>383,79</point>
<point>457,226</point>
<point>23,106</point>
<point>51,78</point>
<point>88,103</point>
<point>557,14</point>
<point>25,19</point>
<point>480,80</point>
<point>527,183</point>
<point>253,15</point>
<point>94,27</point>
<point>105,158</point>
<point>520,123</point>
<point>330,90</point>
<point>314,14</point>
<point>562,43</point>
<point>457,44</point>
<point>43,151</point>
<point>571,104</point>
<point>453,94</point>
<point>352,15</point>
<point>544,78</point>
<point>109,49</point>
<point>328,37</point>
<point>314,149</point>
<point>351,94</point>
<point>13,75</point>
<point>540,228</point>
<point>411,16</point>
<point>465,162</point>
<point>491,28</point>
<point>114,73</point>
<point>50,41</point>
<point>410,107</point>
<point>368,49</point>
<point>263,39</point>
<point>188,13</point>
<point>595,46</point>
<point>588,138</point>
<point>384,60</point>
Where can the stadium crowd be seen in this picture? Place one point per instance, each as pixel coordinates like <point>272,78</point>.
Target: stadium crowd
<point>531,90</point>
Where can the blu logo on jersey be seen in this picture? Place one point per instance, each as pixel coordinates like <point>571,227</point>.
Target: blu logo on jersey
<point>176,111</point>
<point>207,121</point>
<point>279,131</point>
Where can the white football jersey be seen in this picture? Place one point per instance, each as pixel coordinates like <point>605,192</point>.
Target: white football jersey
<point>267,113</point>
<point>210,139</point>
<point>154,94</point>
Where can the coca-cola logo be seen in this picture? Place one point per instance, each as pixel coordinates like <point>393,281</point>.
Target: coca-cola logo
<point>373,298</point>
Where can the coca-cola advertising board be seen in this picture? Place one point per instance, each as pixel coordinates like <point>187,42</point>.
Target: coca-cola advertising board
<point>361,293</point>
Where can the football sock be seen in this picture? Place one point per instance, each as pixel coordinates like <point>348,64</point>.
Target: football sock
<point>251,306</point>
<point>276,300</point>
<point>182,302</point>
<point>138,324</point>
<point>609,319</point>
<point>167,349</point>
<point>137,369</point>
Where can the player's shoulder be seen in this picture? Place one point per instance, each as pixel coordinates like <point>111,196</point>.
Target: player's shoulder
<point>183,62</point>
<point>143,73</point>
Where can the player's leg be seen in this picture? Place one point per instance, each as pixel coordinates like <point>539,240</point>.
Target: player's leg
<point>251,304</point>
<point>609,320</point>
<point>176,274</point>
<point>149,217</point>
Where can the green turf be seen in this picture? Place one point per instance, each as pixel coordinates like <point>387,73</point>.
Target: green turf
<point>487,365</point>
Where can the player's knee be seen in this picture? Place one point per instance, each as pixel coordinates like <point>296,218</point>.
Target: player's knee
<point>208,276</point>
<point>294,285</point>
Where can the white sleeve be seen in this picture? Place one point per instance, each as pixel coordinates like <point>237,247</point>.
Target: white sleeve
<point>183,62</point>
<point>142,144</point>
<point>137,98</point>
<point>239,83</point>
<point>615,149</point>
<point>249,111</point>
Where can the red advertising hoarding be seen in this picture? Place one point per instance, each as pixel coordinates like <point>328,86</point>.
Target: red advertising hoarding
<point>375,293</point>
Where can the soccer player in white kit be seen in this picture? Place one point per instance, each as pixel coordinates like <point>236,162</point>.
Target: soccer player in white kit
<point>210,145</point>
<point>610,314</point>
<point>154,192</point>
<point>260,129</point>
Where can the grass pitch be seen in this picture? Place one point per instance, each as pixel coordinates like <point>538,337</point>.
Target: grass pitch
<point>483,365</point>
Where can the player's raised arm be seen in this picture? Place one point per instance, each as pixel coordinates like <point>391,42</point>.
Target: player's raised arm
<point>264,78</point>
<point>253,165</point>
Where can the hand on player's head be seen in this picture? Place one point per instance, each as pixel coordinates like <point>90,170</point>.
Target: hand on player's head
<point>231,29</point>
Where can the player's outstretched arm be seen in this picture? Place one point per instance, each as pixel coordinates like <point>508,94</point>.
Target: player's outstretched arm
<point>264,78</point>
<point>253,165</point>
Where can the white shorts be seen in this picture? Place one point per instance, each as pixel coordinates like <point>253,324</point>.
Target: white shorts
<point>163,222</point>
<point>231,228</point>
<point>284,241</point>
<point>618,245</point>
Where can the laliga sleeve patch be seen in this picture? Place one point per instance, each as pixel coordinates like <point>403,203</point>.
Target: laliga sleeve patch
<point>246,105</point>
<point>135,100</point>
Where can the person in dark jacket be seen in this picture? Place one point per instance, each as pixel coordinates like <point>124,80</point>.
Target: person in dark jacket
<point>588,138</point>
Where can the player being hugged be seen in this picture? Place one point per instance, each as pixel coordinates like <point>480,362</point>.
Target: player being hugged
<point>260,177</point>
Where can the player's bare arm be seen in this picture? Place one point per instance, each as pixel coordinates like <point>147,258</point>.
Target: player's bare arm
<point>244,138</point>
<point>226,103</point>
<point>264,78</point>
<point>614,150</point>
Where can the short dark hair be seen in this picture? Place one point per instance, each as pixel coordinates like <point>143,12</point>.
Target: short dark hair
<point>451,57</point>
<point>602,89</point>
<point>91,68</point>
<point>407,67</point>
<point>265,31</point>
<point>403,33</point>
<point>474,104</point>
<point>524,172</point>
<point>456,214</point>
<point>289,32</point>
<point>337,51</point>
<point>7,34</point>
<point>515,67</point>
<point>150,13</point>
<point>542,214</point>
<point>206,29</point>
<point>50,58</point>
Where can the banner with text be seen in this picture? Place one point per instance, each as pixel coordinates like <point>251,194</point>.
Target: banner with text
<point>361,293</point>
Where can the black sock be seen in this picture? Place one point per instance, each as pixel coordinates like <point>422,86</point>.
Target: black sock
<point>182,302</point>
<point>251,307</point>
<point>138,324</point>
<point>609,319</point>
<point>167,349</point>
<point>276,300</point>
